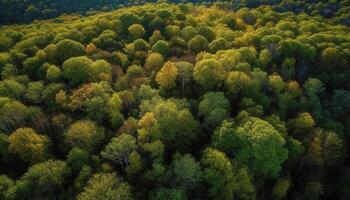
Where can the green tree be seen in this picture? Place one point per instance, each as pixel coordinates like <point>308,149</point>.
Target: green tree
<point>53,73</point>
<point>167,194</point>
<point>188,33</point>
<point>187,172</point>
<point>5,184</point>
<point>84,134</point>
<point>254,142</point>
<point>198,44</point>
<point>185,75</point>
<point>209,74</point>
<point>178,127</point>
<point>161,47</point>
<point>12,89</point>
<point>206,32</point>
<point>313,88</point>
<point>114,106</point>
<point>136,30</point>
<point>106,40</point>
<point>106,186</point>
<point>212,101</point>
<point>340,103</point>
<point>119,149</point>
<point>34,92</point>
<point>218,174</point>
<point>13,115</point>
<point>5,43</point>
<point>303,121</point>
<point>69,48</point>
<point>218,44</point>
<point>244,187</point>
<point>77,70</point>
<point>43,180</point>
<point>237,82</point>
<point>77,158</point>
<point>9,71</point>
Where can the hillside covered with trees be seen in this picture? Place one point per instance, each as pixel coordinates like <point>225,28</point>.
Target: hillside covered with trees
<point>222,101</point>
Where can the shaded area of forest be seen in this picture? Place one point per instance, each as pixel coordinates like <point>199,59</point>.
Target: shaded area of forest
<point>24,11</point>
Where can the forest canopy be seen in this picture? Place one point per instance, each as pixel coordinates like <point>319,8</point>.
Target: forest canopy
<point>173,101</point>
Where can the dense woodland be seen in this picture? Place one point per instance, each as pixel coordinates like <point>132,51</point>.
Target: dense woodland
<point>24,11</point>
<point>221,101</point>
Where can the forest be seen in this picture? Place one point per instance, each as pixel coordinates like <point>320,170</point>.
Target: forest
<point>198,100</point>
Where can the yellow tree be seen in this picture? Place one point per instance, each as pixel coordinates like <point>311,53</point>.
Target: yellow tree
<point>166,77</point>
<point>29,145</point>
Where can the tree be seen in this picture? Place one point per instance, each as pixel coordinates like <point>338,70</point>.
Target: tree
<point>5,184</point>
<point>114,106</point>
<point>34,91</point>
<point>119,150</point>
<point>77,158</point>
<point>218,44</point>
<point>68,48</point>
<point>215,108</point>
<point>177,126</point>
<point>276,83</point>
<point>106,40</point>
<point>212,101</point>
<point>32,65</point>
<point>255,143</point>
<point>208,73</point>
<point>106,186</point>
<point>13,115</point>
<point>333,150</point>
<point>161,47</point>
<point>237,82</point>
<point>167,76</point>
<point>8,71</point>
<point>187,172</point>
<point>135,165</point>
<point>185,74</point>
<point>5,43</point>
<point>303,121</point>
<point>167,194</point>
<point>331,58</point>
<point>188,33</point>
<point>218,174</point>
<point>156,36</point>
<point>43,180</point>
<point>77,70</point>
<point>280,190</point>
<point>136,30</point>
<point>340,103</point>
<point>101,71</point>
<point>139,47</point>
<point>172,31</point>
<point>30,146</point>
<point>198,44</point>
<point>154,61</point>
<point>12,89</point>
<point>244,187</point>
<point>313,87</point>
<point>206,32</point>
<point>128,19</point>
<point>53,73</point>
<point>84,134</point>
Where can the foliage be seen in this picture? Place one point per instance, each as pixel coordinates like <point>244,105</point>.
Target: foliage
<point>179,100</point>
